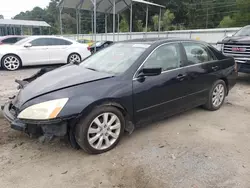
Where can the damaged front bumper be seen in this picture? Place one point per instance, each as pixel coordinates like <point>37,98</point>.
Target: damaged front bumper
<point>49,128</point>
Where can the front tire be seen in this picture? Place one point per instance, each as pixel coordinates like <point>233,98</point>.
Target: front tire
<point>216,96</point>
<point>11,62</point>
<point>101,130</point>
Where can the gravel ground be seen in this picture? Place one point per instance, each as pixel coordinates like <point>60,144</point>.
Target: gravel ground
<point>195,149</point>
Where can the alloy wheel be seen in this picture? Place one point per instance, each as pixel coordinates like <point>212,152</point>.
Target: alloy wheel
<point>218,95</point>
<point>11,63</point>
<point>104,131</point>
<point>74,58</point>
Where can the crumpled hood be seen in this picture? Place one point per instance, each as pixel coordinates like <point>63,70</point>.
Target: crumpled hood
<point>237,39</point>
<point>57,79</point>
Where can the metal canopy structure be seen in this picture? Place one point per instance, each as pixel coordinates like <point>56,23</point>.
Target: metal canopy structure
<point>23,23</point>
<point>114,7</point>
<point>11,25</point>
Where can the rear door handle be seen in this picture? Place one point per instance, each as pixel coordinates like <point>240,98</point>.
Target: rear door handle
<point>215,68</point>
<point>181,77</point>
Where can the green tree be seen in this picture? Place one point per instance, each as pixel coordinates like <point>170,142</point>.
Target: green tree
<point>139,25</point>
<point>227,22</point>
<point>124,27</point>
<point>167,19</point>
<point>69,23</point>
<point>155,20</point>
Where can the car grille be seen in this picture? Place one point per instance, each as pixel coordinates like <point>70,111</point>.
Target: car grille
<point>241,52</point>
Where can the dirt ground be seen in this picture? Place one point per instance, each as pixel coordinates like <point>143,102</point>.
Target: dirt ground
<point>195,149</point>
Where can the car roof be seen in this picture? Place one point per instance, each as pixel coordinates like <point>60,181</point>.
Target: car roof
<point>46,36</point>
<point>49,36</point>
<point>11,36</point>
<point>158,40</point>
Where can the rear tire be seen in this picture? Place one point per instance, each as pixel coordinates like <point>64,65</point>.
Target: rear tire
<point>74,57</point>
<point>11,62</point>
<point>101,130</point>
<point>216,96</point>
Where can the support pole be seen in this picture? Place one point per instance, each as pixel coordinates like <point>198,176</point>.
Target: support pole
<point>79,14</point>
<point>92,24</point>
<point>106,27</point>
<point>207,18</point>
<point>21,27</point>
<point>118,26</point>
<point>95,21</point>
<point>77,23</point>
<point>60,19</point>
<point>146,19</point>
<point>131,19</point>
<point>159,30</point>
<point>114,20</point>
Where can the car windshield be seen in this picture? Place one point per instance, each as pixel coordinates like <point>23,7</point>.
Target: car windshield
<point>115,59</point>
<point>245,31</point>
<point>21,42</point>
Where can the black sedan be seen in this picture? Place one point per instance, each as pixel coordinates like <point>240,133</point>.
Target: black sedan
<point>123,86</point>
<point>99,45</point>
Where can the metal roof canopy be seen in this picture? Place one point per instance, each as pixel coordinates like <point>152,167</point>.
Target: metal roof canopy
<point>103,6</point>
<point>10,22</point>
<point>107,7</point>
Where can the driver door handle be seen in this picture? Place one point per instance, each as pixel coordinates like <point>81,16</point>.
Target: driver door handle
<point>215,68</point>
<point>181,77</point>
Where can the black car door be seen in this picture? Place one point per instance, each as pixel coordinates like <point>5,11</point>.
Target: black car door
<point>201,67</point>
<point>160,95</point>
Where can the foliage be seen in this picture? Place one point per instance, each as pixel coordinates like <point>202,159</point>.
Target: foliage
<point>155,20</point>
<point>139,25</point>
<point>1,16</point>
<point>124,27</point>
<point>167,20</point>
<point>227,22</point>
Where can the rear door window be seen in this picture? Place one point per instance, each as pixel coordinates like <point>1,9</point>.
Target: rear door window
<point>197,53</point>
<point>59,42</point>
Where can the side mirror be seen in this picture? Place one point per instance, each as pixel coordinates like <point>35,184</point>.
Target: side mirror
<point>28,45</point>
<point>150,72</point>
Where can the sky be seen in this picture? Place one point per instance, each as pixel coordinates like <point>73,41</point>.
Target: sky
<point>10,8</point>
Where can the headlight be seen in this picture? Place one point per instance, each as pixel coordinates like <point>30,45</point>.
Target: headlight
<point>44,111</point>
<point>219,47</point>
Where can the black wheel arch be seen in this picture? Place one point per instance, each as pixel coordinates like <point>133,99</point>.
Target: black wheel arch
<point>129,127</point>
<point>226,82</point>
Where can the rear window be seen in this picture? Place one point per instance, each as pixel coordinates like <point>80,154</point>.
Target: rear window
<point>11,40</point>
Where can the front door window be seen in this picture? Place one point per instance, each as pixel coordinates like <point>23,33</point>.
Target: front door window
<point>166,57</point>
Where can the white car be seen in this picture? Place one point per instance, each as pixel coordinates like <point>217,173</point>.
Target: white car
<point>42,50</point>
